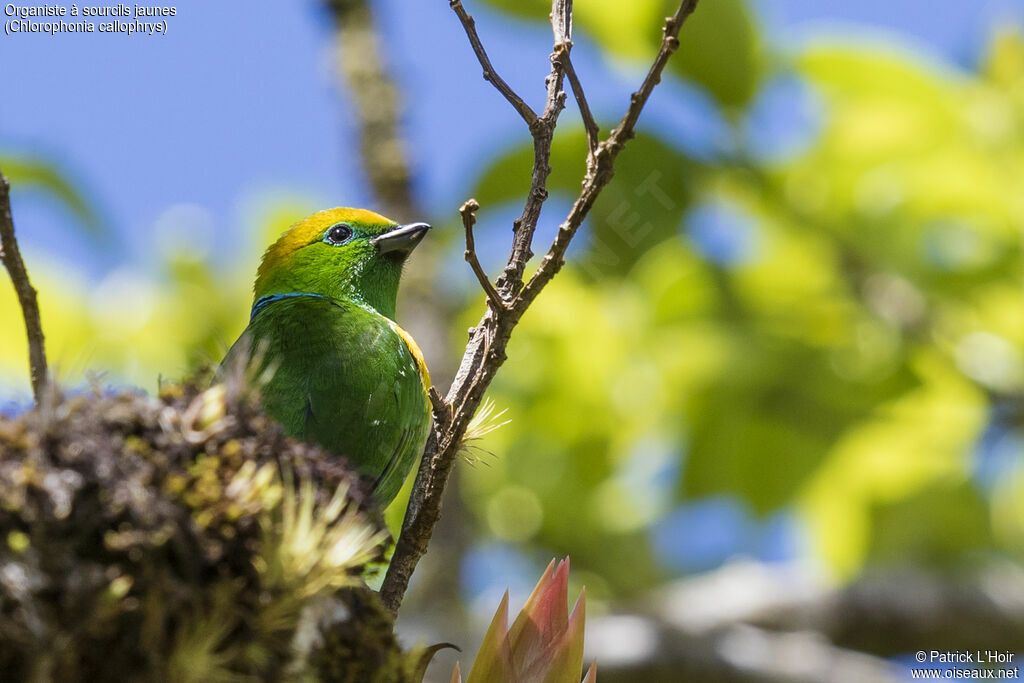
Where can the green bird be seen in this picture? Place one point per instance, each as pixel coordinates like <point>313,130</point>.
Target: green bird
<point>337,368</point>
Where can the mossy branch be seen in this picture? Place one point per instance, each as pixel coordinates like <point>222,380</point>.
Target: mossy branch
<point>184,537</point>
<point>10,254</point>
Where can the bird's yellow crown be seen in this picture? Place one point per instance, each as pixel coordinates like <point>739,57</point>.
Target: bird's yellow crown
<point>307,230</point>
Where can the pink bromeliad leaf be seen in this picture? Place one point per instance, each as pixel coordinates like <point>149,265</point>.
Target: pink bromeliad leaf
<point>545,642</point>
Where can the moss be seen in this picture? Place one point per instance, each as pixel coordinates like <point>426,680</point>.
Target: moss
<point>138,538</point>
<point>361,647</point>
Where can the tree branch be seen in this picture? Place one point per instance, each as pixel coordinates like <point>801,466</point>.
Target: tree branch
<point>511,280</point>
<point>469,25</point>
<point>467,211</point>
<point>600,166</point>
<point>485,351</point>
<point>589,124</point>
<point>10,254</point>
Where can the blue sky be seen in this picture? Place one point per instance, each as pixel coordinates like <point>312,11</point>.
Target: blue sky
<point>232,107</point>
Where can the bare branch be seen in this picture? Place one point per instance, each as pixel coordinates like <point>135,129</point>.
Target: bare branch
<point>589,124</point>
<point>511,280</point>
<point>561,29</point>
<point>488,341</point>
<point>669,44</point>
<point>469,25</point>
<point>468,219</point>
<point>10,254</point>
<point>441,410</point>
<point>601,164</point>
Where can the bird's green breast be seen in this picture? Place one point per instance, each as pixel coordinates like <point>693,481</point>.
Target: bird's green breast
<point>344,376</point>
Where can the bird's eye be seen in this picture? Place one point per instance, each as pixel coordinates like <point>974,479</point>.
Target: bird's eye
<point>338,234</point>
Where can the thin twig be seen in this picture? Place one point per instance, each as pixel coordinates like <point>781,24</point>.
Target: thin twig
<point>488,341</point>
<point>669,44</point>
<point>10,254</point>
<point>601,168</point>
<point>511,279</point>
<point>467,211</point>
<point>469,25</point>
<point>589,124</point>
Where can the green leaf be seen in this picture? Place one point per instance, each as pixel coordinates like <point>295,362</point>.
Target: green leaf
<point>424,655</point>
<point>41,175</point>
<point>917,158</point>
<point>527,9</point>
<point>631,30</point>
<point>917,441</point>
<point>764,428</point>
<point>935,526</point>
<point>719,49</point>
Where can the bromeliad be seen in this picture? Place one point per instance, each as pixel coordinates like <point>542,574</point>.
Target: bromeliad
<point>544,643</point>
<point>338,370</point>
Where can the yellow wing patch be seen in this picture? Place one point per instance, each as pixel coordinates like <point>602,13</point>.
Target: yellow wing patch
<point>306,230</point>
<point>414,349</point>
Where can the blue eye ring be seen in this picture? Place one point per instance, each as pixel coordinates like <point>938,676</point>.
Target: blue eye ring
<point>338,234</point>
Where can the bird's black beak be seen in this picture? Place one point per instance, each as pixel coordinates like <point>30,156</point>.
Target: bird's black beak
<point>402,239</point>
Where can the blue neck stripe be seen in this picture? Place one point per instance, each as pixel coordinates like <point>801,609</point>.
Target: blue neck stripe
<point>265,301</point>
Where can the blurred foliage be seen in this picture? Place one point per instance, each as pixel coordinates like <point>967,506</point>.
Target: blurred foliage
<point>845,358</point>
<point>26,173</point>
<point>138,327</point>
<point>847,344</point>
<point>719,46</point>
